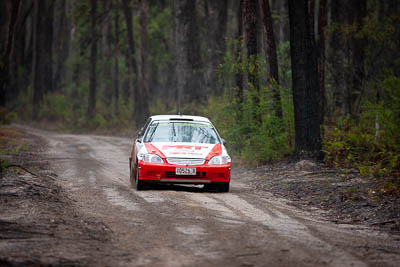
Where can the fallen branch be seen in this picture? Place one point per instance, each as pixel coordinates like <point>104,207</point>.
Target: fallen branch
<point>395,220</point>
<point>21,167</point>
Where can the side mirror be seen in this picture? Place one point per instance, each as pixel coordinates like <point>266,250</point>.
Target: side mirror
<point>139,139</point>
<point>223,141</point>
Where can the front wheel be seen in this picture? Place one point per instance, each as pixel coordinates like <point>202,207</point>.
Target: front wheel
<point>224,187</point>
<point>138,183</point>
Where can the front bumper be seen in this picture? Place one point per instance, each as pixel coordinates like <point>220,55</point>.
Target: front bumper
<point>165,173</point>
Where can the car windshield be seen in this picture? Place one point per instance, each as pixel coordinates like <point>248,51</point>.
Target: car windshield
<point>182,132</point>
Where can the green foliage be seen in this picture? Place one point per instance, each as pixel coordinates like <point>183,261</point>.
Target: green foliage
<point>250,127</point>
<point>7,117</point>
<point>361,144</point>
<point>55,106</point>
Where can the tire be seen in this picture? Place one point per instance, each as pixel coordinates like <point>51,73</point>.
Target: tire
<point>130,171</point>
<point>138,183</point>
<point>223,188</point>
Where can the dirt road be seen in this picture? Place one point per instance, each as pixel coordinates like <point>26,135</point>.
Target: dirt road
<point>185,226</point>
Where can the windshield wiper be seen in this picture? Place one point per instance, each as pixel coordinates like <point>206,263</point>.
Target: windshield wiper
<point>152,133</point>
<point>174,132</point>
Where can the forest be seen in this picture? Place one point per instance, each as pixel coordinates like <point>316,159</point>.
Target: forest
<point>306,79</point>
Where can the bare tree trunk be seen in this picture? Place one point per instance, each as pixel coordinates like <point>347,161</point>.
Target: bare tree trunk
<point>116,65</point>
<point>357,46</point>
<point>190,78</point>
<point>336,58</point>
<point>42,52</point>
<point>250,38</point>
<point>132,56</point>
<point>62,40</point>
<point>144,82</point>
<point>272,59</point>
<point>321,58</point>
<point>107,54</point>
<point>305,82</point>
<point>217,16</point>
<point>8,18</point>
<point>279,7</point>
<point>93,61</point>
<point>239,75</point>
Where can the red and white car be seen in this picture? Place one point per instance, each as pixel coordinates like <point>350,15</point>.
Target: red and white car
<point>176,149</point>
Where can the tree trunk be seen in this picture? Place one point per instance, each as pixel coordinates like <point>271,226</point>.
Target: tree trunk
<point>217,17</point>
<point>21,60</point>
<point>250,39</point>
<point>107,54</point>
<point>93,61</point>
<point>272,59</point>
<point>357,46</point>
<point>321,58</point>
<point>239,75</point>
<point>190,79</point>
<point>116,65</point>
<point>132,56</point>
<point>336,58</point>
<point>305,82</point>
<point>8,19</point>
<point>144,82</point>
<point>281,23</point>
<point>62,40</point>
<point>42,52</point>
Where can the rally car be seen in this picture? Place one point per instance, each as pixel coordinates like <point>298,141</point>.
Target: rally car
<point>178,149</point>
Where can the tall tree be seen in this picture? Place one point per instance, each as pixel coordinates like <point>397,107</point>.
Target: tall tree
<point>305,82</point>
<point>144,82</point>
<point>132,56</point>
<point>239,75</point>
<point>42,51</point>
<point>358,10</point>
<point>62,40</point>
<point>107,52</point>
<point>8,19</point>
<point>321,58</point>
<point>216,17</point>
<point>116,56</point>
<point>250,22</point>
<point>272,58</point>
<point>189,75</point>
<point>93,61</point>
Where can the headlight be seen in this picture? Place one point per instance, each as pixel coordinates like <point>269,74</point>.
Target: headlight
<point>219,160</point>
<point>153,158</point>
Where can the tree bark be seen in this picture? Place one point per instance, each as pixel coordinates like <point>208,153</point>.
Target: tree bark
<point>239,75</point>
<point>107,81</point>
<point>190,79</point>
<point>272,59</point>
<point>144,82</point>
<point>359,11</point>
<point>93,61</point>
<point>217,17</point>
<point>62,40</point>
<point>321,58</point>
<point>8,18</point>
<point>250,38</point>
<point>116,56</point>
<point>42,52</point>
<point>305,82</point>
<point>132,57</point>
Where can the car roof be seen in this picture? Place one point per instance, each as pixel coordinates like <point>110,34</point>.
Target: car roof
<point>179,117</point>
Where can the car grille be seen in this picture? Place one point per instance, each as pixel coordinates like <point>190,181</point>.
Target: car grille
<point>173,175</point>
<point>183,161</point>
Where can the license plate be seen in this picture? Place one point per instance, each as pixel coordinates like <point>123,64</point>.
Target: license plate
<point>185,171</point>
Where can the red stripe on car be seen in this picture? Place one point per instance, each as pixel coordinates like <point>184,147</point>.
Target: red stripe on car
<point>216,151</point>
<point>151,149</point>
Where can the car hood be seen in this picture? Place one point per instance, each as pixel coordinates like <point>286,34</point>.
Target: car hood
<point>186,150</point>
